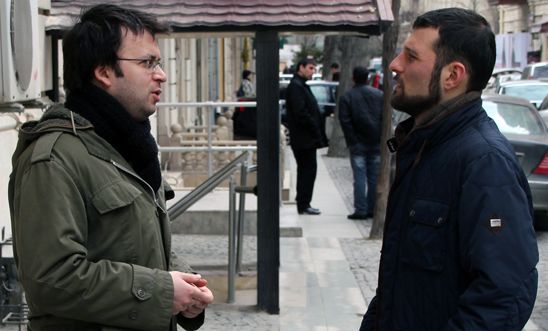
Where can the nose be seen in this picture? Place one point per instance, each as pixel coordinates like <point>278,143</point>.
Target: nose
<point>396,65</point>
<point>159,74</point>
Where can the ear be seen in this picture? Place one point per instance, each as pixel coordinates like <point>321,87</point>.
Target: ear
<point>103,75</point>
<point>454,76</point>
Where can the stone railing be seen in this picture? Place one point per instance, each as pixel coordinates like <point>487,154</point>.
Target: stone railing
<point>193,157</point>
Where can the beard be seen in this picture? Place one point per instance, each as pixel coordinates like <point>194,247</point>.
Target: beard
<point>416,104</point>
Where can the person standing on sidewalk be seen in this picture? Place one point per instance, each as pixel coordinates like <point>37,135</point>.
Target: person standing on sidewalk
<point>459,249</point>
<point>307,132</point>
<point>360,114</point>
<point>87,201</point>
<point>246,89</point>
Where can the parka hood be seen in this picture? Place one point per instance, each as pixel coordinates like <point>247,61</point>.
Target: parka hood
<point>55,118</point>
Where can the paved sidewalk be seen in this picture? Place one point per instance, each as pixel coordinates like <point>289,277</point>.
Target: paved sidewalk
<point>318,290</point>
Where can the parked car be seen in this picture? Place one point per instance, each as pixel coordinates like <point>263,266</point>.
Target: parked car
<point>245,118</point>
<point>543,110</point>
<point>324,91</point>
<point>500,75</point>
<point>532,89</point>
<point>287,77</point>
<point>544,115</point>
<point>522,125</point>
<point>535,71</point>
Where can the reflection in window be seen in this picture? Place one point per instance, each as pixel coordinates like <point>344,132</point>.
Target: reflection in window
<point>513,119</point>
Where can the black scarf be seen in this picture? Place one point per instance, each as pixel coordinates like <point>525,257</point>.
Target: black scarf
<point>113,123</point>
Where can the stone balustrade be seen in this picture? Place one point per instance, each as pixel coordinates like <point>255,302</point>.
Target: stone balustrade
<point>190,168</point>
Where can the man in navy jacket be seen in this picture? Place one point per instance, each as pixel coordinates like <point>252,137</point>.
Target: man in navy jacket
<point>459,249</point>
<point>360,114</point>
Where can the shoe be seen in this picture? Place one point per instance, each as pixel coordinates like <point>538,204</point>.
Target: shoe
<point>309,211</point>
<point>356,216</point>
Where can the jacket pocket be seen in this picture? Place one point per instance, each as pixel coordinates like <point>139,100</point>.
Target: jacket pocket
<point>114,196</point>
<point>424,243</point>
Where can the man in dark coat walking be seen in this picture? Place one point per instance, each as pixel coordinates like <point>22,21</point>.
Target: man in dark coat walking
<point>307,132</point>
<point>360,114</point>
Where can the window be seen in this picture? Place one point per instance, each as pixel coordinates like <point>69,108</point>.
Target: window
<point>513,119</point>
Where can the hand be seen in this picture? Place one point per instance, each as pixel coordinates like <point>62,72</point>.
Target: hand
<point>199,303</point>
<point>189,291</point>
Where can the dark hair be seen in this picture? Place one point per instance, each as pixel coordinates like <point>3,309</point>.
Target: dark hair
<point>360,75</point>
<point>464,36</point>
<point>334,65</point>
<point>305,61</point>
<point>95,39</point>
<point>246,73</point>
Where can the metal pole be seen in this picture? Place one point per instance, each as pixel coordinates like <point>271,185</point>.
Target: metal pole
<point>268,162</point>
<point>211,119</point>
<point>231,241</point>
<point>241,217</point>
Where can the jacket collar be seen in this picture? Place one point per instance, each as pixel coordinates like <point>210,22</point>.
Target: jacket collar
<point>299,78</point>
<point>442,122</point>
<point>59,118</point>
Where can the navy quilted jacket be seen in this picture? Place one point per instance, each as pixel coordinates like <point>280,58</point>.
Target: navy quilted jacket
<point>459,249</point>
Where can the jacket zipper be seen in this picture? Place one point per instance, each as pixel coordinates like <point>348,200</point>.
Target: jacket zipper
<point>134,175</point>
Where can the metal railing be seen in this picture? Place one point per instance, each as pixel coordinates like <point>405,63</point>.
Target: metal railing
<point>236,216</point>
<point>13,309</point>
<point>235,221</point>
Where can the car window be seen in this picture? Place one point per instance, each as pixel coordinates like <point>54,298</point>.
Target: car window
<point>512,118</point>
<point>541,71</point>
<point>529,92</point>
<point>321,93</point>
<point>526,73</point>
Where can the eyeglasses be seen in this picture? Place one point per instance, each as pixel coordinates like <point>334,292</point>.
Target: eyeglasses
<point>152,63</point>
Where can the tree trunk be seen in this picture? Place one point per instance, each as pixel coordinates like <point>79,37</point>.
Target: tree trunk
<point>331,53</point>
<point>389,42</point>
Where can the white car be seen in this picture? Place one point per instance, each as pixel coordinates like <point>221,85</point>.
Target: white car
<point>531,89</point>
<point>535,71</point>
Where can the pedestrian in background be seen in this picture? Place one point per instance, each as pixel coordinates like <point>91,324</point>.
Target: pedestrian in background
<point>459,249</point>
<point>335,71</point>
<point>90,225</point>
<point>307,132</point>
<point>246,89</point>
<point>360,114</point>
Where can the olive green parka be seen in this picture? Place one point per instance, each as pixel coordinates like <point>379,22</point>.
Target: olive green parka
<point>91,238</point>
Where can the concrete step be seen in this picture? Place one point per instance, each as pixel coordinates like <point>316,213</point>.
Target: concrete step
<point>210,252</point>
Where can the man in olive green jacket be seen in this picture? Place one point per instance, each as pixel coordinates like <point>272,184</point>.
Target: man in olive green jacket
<point>90,228</point>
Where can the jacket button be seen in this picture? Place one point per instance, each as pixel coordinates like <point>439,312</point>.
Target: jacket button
<point>133,315</point>
<point>141,293</point>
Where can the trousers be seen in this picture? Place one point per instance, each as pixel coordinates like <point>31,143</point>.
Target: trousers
<point>307,167</point>
<point>365,169</point>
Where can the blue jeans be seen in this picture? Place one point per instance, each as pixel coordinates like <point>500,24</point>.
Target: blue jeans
<point>365,168</point>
